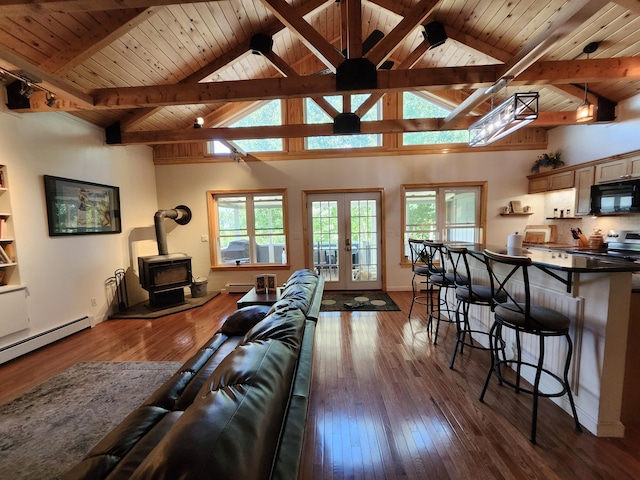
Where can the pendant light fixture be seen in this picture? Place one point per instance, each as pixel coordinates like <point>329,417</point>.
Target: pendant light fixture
<point>586,112</point>
<point>514,113</point>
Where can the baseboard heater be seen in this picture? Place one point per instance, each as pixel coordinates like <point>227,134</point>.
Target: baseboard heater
<point>238,287</point>
<point>30,344</point>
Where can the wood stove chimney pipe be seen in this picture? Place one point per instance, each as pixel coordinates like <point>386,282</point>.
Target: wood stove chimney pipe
<point>181,215</point>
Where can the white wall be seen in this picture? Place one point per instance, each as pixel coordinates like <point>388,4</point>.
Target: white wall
<point>186,184</point>
<point>62,274</point>
<point>584,143</point>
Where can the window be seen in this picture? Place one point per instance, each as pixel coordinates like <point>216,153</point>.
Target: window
<point>268,114</point>
<point>315,114</point>
<point>416,106</point>
<point>247,228</point>
<point>442,212</point>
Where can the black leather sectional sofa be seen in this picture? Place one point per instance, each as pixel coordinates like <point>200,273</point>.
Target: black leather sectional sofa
<point>236,410</point>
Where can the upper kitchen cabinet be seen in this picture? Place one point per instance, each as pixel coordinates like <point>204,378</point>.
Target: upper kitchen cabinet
<point>546,182</point>
<point>619,169</point>
<point>583,181</point>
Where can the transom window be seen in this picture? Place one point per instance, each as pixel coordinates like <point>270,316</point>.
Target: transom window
<point>268,114</point>
<point>442,212</point>
<point>314,114</point>
<point>414,105</point>
<point>247,228</point>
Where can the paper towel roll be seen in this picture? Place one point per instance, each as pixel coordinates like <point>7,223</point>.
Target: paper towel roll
<point>515,240</point>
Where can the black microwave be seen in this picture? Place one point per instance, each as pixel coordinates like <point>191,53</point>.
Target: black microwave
<point>615,198</point>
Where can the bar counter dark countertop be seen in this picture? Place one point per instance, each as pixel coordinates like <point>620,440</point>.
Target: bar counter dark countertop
<point>559,259</point>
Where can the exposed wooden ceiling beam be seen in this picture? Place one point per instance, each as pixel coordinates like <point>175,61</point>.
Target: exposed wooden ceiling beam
<point>352,20</point>
<point>287,71</point>
<point>308,35</point>
<point>323,129</point>
<point>48,81</point>
<point>473,44</point>
<point>385,47</point>
<point>129,121</point>
<point>407,63</point>
<point>476,76</point>
<point>633,5</point>
<point>13,8</point>
<point>565,22</point>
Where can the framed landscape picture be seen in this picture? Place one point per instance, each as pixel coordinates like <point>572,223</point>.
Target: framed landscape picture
<point>75,207</point>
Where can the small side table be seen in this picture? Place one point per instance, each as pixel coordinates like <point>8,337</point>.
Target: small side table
<point>253,298</point>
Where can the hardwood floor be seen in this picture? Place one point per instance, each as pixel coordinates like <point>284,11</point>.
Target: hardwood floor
<point>384,404</point>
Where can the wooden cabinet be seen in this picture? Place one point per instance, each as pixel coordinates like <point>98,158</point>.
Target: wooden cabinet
<point>616,170</point>
<point>584,178</point>
<point>548,182</point>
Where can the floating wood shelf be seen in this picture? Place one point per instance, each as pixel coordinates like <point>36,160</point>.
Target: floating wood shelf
<point>515,214</point>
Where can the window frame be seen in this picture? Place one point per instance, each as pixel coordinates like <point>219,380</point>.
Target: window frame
<point>441,189</point>
<point>378,107</point>
<point>214,228</point>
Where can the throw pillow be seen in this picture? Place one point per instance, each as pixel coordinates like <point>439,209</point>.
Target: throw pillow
<point>244,319</point>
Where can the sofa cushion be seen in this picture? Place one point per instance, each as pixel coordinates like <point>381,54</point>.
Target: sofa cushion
<point>230,431</point>
<point>243,319</point>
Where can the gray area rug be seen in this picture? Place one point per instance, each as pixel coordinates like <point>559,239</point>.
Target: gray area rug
<point>44,432</point>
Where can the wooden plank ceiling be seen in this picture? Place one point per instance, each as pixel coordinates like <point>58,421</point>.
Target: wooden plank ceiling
<point>156,65</point>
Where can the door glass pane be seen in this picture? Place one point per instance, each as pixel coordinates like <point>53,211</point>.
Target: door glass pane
<point>325,239</point>
<point>364,240</point>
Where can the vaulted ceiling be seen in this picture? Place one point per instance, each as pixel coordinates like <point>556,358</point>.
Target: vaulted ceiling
<point>149,69</point>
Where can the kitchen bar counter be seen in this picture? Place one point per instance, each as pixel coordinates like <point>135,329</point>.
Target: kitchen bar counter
<point>595,293</point>
<point>561,259</point>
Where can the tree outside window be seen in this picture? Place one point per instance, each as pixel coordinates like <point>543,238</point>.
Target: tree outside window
<point>416,106</point>
<point>268,114</point>
<point>442,212</point>
<point>247,228</point>
<point>314,114</point>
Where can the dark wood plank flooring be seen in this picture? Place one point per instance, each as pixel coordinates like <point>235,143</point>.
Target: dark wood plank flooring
<point>384,405</point>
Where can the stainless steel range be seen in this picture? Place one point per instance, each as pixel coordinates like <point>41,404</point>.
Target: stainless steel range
<point>623,244</point>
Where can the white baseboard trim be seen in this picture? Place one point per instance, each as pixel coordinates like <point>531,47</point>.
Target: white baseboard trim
<point>30,344</point>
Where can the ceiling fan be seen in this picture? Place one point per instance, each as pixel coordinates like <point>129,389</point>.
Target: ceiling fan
<point>372,39</point>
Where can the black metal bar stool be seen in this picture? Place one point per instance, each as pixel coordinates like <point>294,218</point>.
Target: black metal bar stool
<point>420,268</point>
<point>520,315</point>
<point>468,293</point>
<point>442,280</point>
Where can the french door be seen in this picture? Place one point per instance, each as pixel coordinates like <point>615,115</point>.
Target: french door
<point>345,239</point>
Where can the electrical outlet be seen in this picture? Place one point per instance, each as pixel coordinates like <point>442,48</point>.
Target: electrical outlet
<point>94,301</point>
<point>204,238</point>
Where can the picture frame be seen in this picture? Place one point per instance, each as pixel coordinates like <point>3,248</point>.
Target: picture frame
<point>76,207</point>
<point>260,283</point>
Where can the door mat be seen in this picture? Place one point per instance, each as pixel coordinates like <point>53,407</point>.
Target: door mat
<point>363,301</point>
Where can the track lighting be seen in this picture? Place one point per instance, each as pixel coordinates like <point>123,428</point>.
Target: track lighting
<point>198,122</point>
<point>51,100</point>
<point>26,90</point>
<point>29,85</point>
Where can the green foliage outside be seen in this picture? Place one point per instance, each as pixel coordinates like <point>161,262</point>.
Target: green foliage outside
<point>415,106</point>
<point>268,114</point>
<point>315,114</point>
<point>268,225</point>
